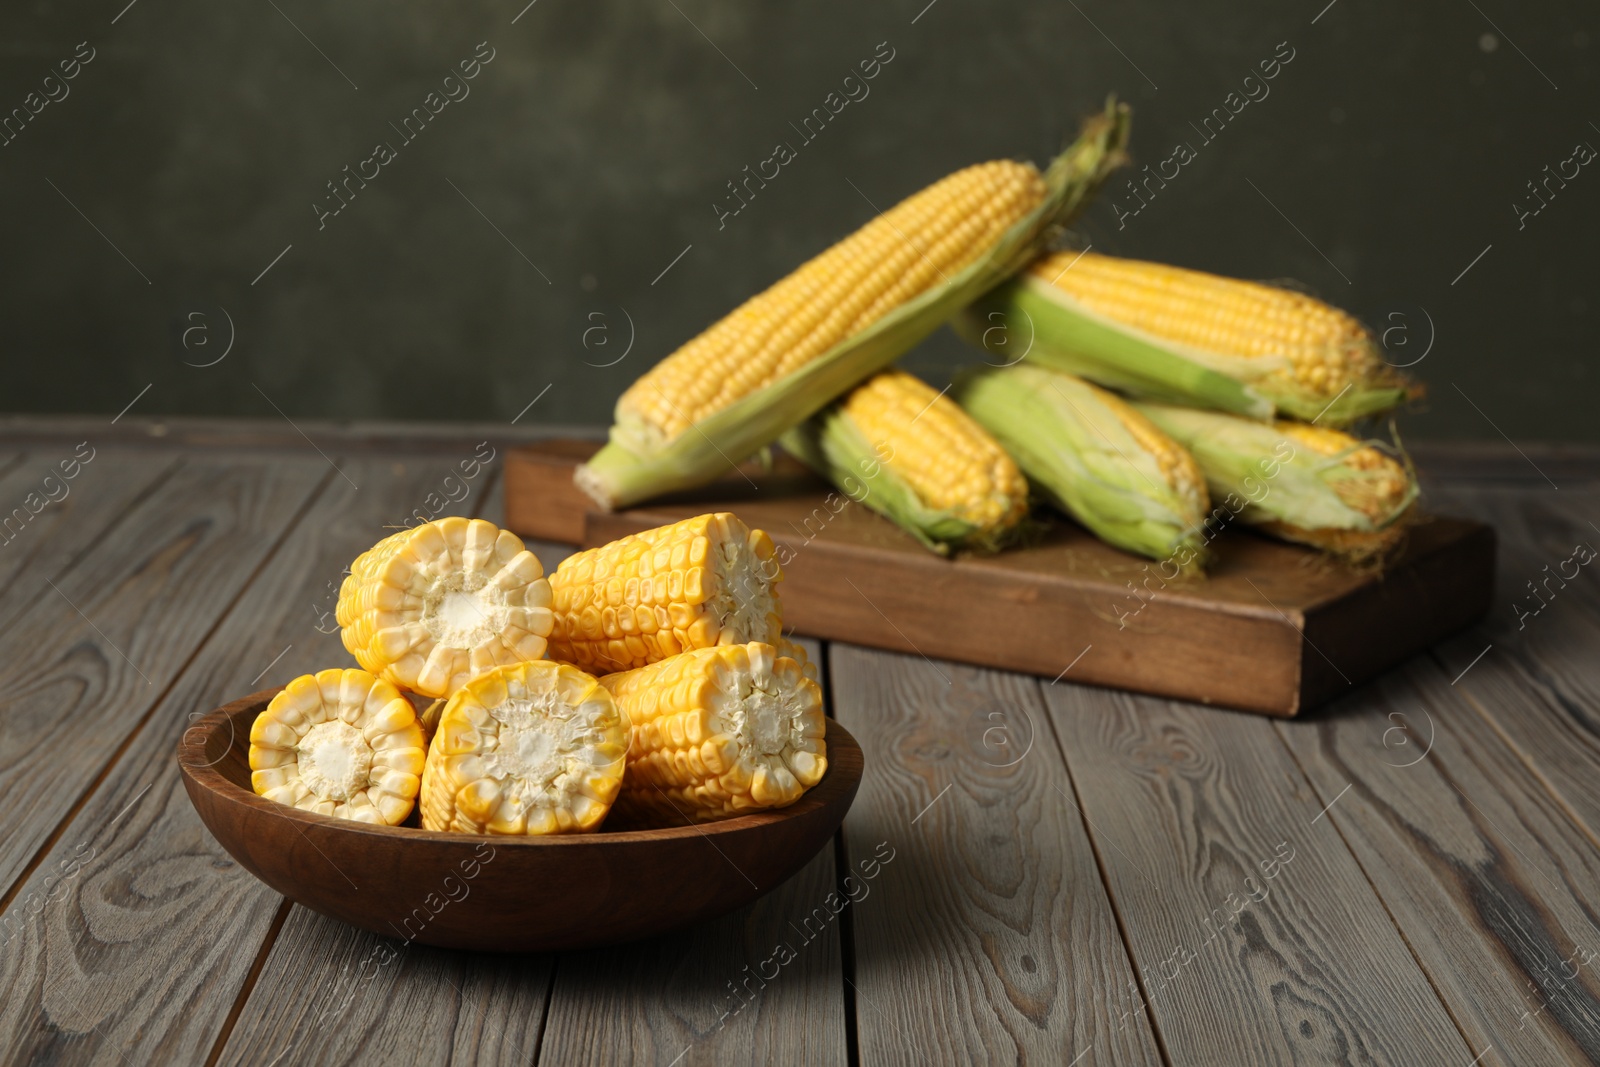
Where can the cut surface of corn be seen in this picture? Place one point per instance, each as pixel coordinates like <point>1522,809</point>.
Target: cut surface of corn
<point>1094,456</point>
<point>848,313</point>
<point>341,743</point>
<point>718,732</point>
<point>1183,336</point>
<point>709,580</point>
<point>1310,484</point>
<point>910,453</point>
<point>431,607</point>
<point>530,749</point>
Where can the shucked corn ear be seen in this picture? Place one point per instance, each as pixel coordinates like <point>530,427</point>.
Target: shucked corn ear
<point>1302,483</point>
<point>908,452</point>
<point>431,607</point>
<point>1095,457</point>
<point>850,312</point>
<point>718,732</point>
<point>705,581</point>
<point>1186,337</point>
<point>339,743</point>
<point>534,748</point>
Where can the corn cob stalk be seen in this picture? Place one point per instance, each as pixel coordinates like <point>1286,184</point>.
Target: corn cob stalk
<point>1095,457</point>
<point>718,732</point>
<point>704,581</point>
<point>783,355</point>
<point>1185,337</point>
<point>912,454</point>
<point>431,607</point>
<point>535,748</point>
<point>1299,482</point>
<point>339,743</point>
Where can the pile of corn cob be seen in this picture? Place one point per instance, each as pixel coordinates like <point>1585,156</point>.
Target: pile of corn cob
<point>1153,404</point>
<point>649,677</point>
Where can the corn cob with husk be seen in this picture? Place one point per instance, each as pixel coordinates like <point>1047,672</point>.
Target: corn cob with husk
<point>910,453</point>
<point>531,749</point>
<point>431,607</point>
<point>339,743</point>
<point>1094,456</point>
<point>705,581</point>
<point>1185,337</point>
<point>718,732</point>
<point>786,353</point>
<point>1302,483</point>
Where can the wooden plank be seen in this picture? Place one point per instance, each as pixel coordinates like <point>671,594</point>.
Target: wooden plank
<point>147,943</point>
<point>1258,939</point>
<point>1257,632</point>
<point>102,494</point>
<point>332,994</point>
<point>761,985</point>
<point>987,935</point>
<point>91,661</point>
<point>1491,883</point>
<point>1536,678</point>
<point>343,995</point>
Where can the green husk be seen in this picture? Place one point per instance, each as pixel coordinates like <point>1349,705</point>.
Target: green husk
<point>1266,478</point>
<point>631,467</point>
<point>1078,453</point>
<point>1059,332</point>
<point>831,444</point>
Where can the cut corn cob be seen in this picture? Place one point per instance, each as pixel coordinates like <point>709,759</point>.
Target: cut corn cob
<point>1186,337</point>
<point>535,748</point>
<point>841,317</point>
<point>1095,457</point>
<point>1302,483</point>
<point>718,732</point>
<point>431,607</point>
<point>908,452</point>
<point>339,743</point>
<point>704,581</point>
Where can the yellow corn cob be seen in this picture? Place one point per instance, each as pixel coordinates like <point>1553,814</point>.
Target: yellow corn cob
<point>787,353</point>
<point>910,453</point>
<point>1379,487</point>
<point>1094,456</point>
<point>718,732</point>
<point>700,582</point>
<point>339,743</point>
<point>898,255</point>
<point>533,748</point>
<point>431,607</point>
<point>1316,351</point>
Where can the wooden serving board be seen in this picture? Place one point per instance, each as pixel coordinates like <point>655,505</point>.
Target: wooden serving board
<point>1272,628</point>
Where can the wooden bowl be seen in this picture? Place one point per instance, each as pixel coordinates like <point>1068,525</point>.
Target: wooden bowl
<point>503,894</point>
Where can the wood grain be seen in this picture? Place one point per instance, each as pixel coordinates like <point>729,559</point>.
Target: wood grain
<point>689,998</point>
<point>1536,681</point>
<point>987,938</point>
<point>1258,939</point>
<point>142,952</point>
<point>97,499</point>
<point>119,625</point>
<point>332,994</point>
<point>1491,883</point>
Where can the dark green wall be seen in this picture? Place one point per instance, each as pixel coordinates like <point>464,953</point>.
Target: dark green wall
<point>601,134</point>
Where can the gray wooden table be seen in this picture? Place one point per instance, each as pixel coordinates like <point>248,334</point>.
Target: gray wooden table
<point>1067,875</point>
